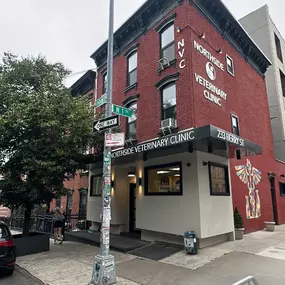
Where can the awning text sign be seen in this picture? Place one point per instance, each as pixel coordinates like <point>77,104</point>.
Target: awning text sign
<point>156,144</point>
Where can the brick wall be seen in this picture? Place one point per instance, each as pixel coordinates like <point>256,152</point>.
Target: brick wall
<point>246,98</point>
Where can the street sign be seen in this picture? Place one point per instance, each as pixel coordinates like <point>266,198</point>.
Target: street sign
<point>107,123</point>
<point>100,101</point>
<point>117,139</point>
<point>122,111</point>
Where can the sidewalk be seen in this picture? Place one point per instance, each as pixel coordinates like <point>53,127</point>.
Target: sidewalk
<point>259,254</point>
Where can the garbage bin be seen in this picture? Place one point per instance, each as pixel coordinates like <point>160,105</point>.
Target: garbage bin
<point>190,243</point>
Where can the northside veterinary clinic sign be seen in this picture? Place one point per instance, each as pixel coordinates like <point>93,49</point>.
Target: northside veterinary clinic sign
<point>156,144</point>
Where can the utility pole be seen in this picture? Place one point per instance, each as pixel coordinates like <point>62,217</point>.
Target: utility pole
<point>104,272</point>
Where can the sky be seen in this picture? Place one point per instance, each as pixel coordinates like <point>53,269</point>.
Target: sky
<point>69,31</point>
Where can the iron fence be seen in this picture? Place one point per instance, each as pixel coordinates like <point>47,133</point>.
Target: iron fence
<point>44,223</point>
<point>247,281</point>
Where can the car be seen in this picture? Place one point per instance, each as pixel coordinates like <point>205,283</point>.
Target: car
<point>7,250</point>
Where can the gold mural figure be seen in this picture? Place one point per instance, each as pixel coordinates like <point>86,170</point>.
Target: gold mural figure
<point>251,176</point>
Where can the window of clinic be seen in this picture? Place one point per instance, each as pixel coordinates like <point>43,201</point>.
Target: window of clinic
<point>132,123</point>
<point>132,69</point>
<point>219,179</point>
<point>282,188</point>
<point>230,65</point>
<point>163,179</point>
<point>104,89</point>
<point>235,125</point>
<point>169,102</point>
<point>167,43</point>
<point>96,185</point>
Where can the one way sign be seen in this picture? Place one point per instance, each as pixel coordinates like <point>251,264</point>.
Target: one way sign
<point>107,123</point>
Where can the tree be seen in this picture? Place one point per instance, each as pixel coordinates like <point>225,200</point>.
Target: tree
<point>44,132</point>
<point>238,222</point>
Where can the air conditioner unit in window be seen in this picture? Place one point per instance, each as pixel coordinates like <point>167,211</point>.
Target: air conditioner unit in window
<point>169,123</point>
<point>163,62</point>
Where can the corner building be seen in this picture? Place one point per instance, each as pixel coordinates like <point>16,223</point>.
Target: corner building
<point>199,142</point>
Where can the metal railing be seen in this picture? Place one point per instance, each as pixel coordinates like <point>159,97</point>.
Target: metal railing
<point>247,281</point>
<point>44,223</point>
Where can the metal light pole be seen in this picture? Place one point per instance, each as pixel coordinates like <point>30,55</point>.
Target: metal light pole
<point>104,272</point>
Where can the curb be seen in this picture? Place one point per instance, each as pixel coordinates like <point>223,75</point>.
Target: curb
<point>29,276</point>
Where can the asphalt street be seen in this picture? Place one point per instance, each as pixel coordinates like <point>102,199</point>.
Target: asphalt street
<point>20,277</point>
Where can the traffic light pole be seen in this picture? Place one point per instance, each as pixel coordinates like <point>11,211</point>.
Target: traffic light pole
<point>104,272</point>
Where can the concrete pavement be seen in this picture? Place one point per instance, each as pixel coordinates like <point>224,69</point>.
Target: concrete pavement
<point>20,277</point>
<point>261,254</point>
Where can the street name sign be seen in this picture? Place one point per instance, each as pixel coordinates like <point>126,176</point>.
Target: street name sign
<point>122,111</point>
<point>100,101</point>
<point>105,124</point>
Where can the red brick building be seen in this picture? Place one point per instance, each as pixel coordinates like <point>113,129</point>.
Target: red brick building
<point>199,142</point>
<point>76,202</point>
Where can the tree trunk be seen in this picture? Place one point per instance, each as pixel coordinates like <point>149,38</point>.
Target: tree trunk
<point>26,228</point>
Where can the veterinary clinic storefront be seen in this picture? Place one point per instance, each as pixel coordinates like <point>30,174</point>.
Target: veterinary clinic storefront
<point>166,186</point>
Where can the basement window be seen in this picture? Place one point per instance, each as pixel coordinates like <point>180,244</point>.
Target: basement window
<point>230,65</point>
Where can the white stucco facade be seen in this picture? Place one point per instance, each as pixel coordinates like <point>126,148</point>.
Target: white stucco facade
<point>167,217</point>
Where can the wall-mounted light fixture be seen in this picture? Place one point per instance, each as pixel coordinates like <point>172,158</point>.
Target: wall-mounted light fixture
<point>112,183</point>
<point>131,174</point>
<point>202,36</point>
<point>220,51</point>
<point>282,175</point>
<point>140,181</point>
<point>178,29</point>
<point>205,163</point>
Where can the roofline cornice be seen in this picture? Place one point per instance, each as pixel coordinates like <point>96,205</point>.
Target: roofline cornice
<point>214,11</point>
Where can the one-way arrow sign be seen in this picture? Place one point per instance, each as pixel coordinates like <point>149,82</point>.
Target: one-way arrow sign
<point>107,123</point>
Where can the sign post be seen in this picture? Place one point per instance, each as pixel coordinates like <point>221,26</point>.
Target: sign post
<point>104,272</point>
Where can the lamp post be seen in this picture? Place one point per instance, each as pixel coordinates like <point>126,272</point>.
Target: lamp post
<point>104,272</point>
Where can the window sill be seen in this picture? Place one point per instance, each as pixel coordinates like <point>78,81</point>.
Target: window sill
<point>130,87</point>
<point>172,63</point>
<point>164,194</point>
<point>221,194</point>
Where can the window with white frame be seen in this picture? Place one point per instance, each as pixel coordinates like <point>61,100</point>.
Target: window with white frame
<point>104,89</point>
<point>169,101</point>
<point>235,125</point>
<point>167,43</point>
<point>132,69</point>
<point>132,123</point>
<point>96,184</point>
<point>230,65</point>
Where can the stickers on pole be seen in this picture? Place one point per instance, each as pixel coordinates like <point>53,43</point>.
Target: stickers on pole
<point>112,140</point>
<point>106,237</point>
<point>107,159</point>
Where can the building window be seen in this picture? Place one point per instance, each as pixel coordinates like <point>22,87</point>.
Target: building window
<point>219,179</point>
<point>104,89</point>
<point>230,65</point>
<point>163,179</point>
<point>167,43</point>
<point>132,69</point>
<point>282,79</point>
<point>82,204</point>
<point>169,102</point>
<point>278,47</point>
<point>58,202</point>
<point>96,184</point>
<point>282,188</point>
<point>132,123</point>
<point>235,125</point>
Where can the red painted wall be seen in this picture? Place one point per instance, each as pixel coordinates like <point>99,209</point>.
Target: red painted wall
<point>246,98</point>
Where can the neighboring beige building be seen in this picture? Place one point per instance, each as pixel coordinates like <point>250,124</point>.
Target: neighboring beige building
<point>264,32</point>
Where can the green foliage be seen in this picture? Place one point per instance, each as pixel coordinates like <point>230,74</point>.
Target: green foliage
<point>238,222</point>
<point>44,131</point>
